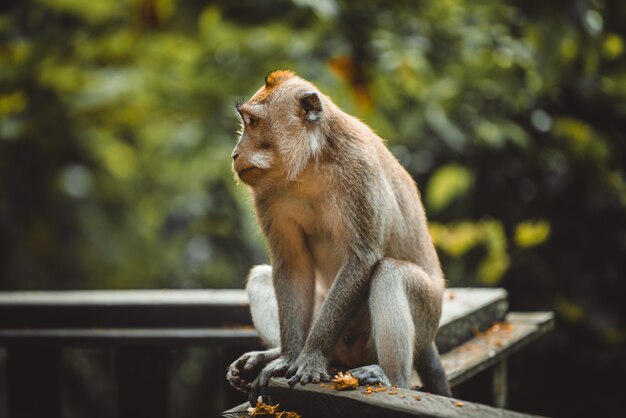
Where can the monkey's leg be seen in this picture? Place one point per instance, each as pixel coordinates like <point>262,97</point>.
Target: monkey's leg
<point>405,306</point>
<point>264,311</point>
<point>263,305</point>
<point>393,330</point>
<point>431,372</point>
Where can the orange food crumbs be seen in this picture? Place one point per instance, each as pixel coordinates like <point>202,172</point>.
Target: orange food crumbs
<point>451,295</point>
<point>288,414</point>
<point>417,397</point>
<point>495,335</point>
<point>345,381</point>
<point>264,410</point>
<point>369,390</point>
<point>322,385</point>
<point>459,404</point>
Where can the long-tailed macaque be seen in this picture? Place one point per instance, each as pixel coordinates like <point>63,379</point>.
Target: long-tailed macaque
<point>354,279</point>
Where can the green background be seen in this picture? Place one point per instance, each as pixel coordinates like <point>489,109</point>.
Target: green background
<point>117,123</point>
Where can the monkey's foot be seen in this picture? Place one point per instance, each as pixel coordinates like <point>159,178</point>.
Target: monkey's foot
<point>246,368</point>
<point>259,386</point>
<point>370,375</point>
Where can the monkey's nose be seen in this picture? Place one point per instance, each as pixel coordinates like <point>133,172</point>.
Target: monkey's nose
<point>235,155</point>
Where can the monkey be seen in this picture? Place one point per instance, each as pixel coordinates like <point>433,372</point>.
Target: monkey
<point>355,280</point>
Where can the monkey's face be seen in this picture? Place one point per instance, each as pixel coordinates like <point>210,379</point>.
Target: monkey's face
<point>280,131</point>
<point>254,156</point>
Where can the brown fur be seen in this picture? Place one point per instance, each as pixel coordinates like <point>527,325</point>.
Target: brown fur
<point>347,235</point>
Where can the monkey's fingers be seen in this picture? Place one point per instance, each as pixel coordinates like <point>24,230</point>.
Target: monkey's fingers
<point>254,361</point>
<point>263,386</point>
<point>260,386</point>
<point>255,391</point>
<point>316,377</point>
<point>295,379</point>
<point>238,365</point>
<point>303,376</point>
<point>293,369</point>
<point>237,382</point>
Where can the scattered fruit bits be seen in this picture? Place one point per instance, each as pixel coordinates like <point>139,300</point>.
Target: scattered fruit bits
<point>417,397</point>
<point>345,381</point>
<point>322,385</point>
<point>496,335</point>
<point>264,410</point>
<point>379,388</point>
<point>288,414</point>
<point>459,404</point>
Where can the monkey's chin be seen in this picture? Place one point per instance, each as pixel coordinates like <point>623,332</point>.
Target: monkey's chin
<point>250,176</point>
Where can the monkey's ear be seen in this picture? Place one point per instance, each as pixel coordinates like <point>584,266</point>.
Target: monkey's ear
<point>312,106</point>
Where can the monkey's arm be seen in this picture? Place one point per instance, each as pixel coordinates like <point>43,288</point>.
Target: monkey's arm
<point>293,277</point>
<point>347,293</point>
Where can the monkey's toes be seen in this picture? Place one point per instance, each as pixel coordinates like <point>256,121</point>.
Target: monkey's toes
<point>370,375</point>
<point>238,383</point>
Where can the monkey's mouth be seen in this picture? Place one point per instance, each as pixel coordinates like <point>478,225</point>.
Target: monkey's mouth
<point>246,173</point>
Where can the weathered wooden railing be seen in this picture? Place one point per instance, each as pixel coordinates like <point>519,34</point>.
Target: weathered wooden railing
<point>144,326</point>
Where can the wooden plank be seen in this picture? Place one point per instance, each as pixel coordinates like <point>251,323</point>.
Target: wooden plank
<point>466,310</point>
<point>178,297</point>
<point>316,401</point>
<point>130,336</point>
<point>95,317</point>
<point>500,384</point>
<point>240,411</point>
<point>484,351</point>
<point>463,362</point>
<point>427,406</point>
<point>123,308</point>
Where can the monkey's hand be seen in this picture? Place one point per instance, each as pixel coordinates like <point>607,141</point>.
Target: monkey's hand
<point>245,369</point>
<point>370,375</point>
<point>308,368</point>
<point>275,368</point>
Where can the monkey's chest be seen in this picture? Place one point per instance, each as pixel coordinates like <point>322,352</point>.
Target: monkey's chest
<point>318,221</point>
<point>326,258</point>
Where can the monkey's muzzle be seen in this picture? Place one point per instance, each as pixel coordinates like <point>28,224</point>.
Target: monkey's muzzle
<point>247,174</point>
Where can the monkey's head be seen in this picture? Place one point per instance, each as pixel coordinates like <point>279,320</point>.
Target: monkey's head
<point>281,130</point>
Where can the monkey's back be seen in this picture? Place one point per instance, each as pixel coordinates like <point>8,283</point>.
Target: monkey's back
<point>405,224</point>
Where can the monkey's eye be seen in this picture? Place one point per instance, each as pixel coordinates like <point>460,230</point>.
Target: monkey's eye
<point>252,121</point>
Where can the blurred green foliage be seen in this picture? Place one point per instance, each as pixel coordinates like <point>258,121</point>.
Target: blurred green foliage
<point>116,126</point>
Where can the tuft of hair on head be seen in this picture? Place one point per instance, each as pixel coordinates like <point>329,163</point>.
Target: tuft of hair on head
<point>275,77</point>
